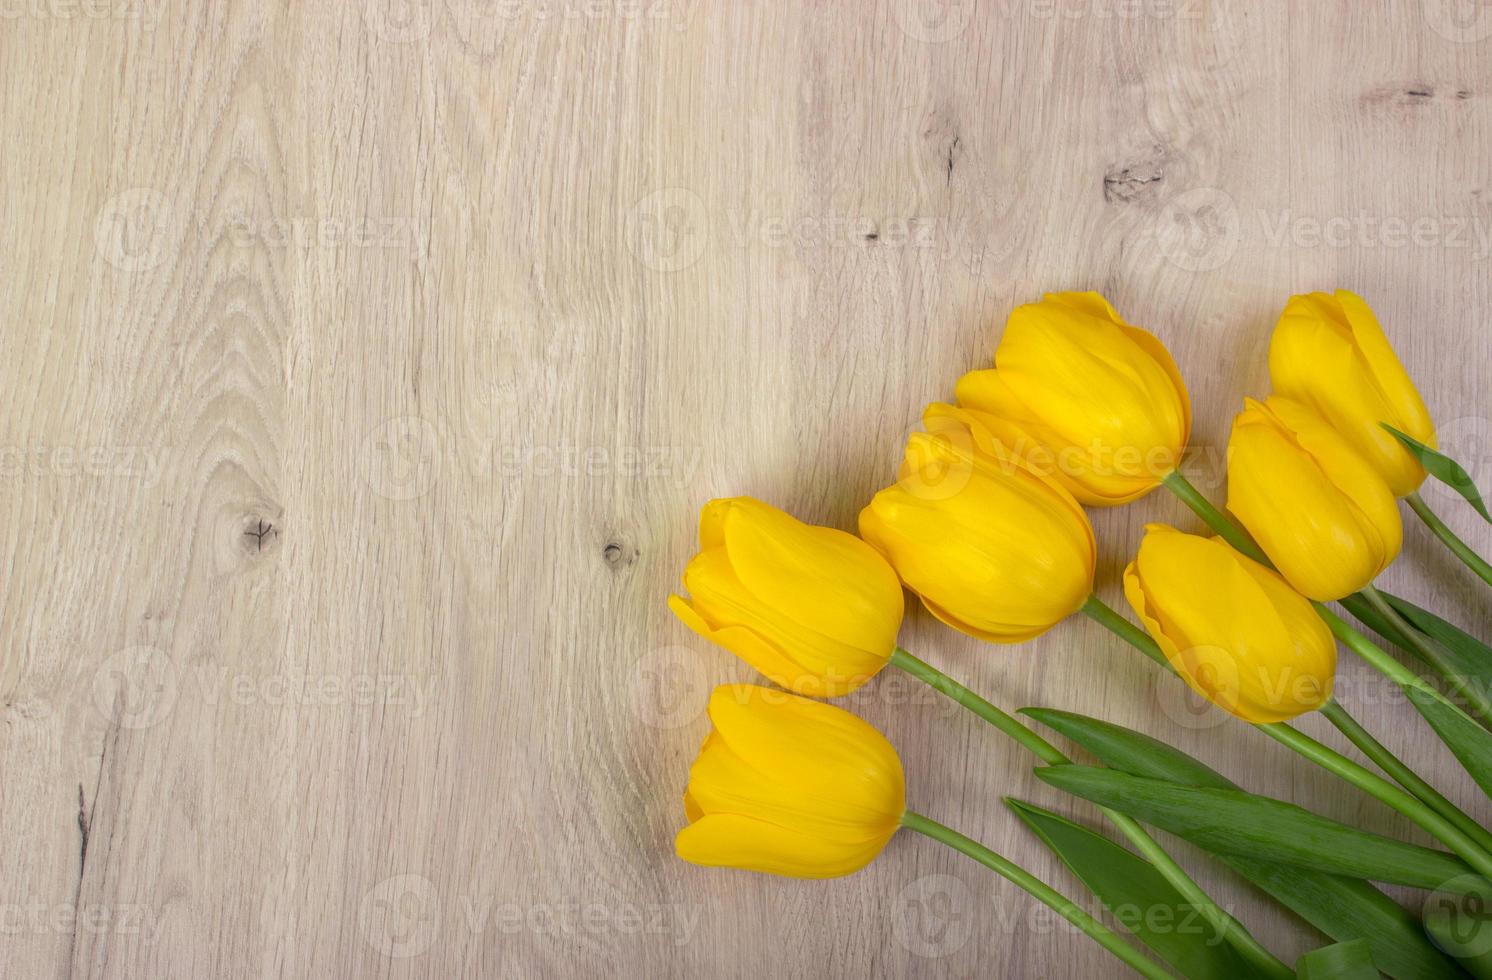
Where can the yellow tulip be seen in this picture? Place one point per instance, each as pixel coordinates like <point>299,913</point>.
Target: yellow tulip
<point>1234,629</point>
<point>1321,513</point>
<point>992,546</point>
<point>789,786</point>
<point>815,609</point>
<point>1103,399</point>
<point>1329,353</point>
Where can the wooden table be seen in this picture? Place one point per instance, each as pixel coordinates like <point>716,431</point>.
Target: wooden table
<point>366,364</point>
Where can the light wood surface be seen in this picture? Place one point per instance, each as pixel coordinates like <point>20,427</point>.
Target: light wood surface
<point>366,364</point>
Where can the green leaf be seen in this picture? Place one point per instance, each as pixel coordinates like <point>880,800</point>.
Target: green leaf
<point>1340,907</point>
<point>1342,961</point>
<point>1350,908</point>
<point>1137,895</point>
<point>1467,664</point>
<point>1462,926</point>
<point>1230,821</point>
<point>1128,750</point>
<point>1444,469</point>
<point>1469,742</point>
<point>1466,655</point>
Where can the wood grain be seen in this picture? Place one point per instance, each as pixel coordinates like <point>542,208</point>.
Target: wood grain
<point>366,366</point>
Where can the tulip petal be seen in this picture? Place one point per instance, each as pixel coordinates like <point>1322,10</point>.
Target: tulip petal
<point>758,651</point>
<point>998,443</point>
<point>1353,476</point>
<point>817,575</point>
<point>1314,648</point>
<point>825,756</point>
<point>1330,354</point>
<point>1003,558</point>
<point>1393,381</point>
<point>1104,397</point>
<point>1087,379</point>
<point>1223,629</point>
<point>813,608</point>
<point>1324,517</point>
<point>986,392</point>
<point>719,597</point>
<point>1151,345</point>
<point>1088,302</point>
<point>737,841</point>
<point>722,781</point>
<point>987,630</point>
<point>712,522</point>
<point>1209,670</point>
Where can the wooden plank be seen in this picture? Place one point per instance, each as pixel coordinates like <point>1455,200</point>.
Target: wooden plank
<point>367,365</point>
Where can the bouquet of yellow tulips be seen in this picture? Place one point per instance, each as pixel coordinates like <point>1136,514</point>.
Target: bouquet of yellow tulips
<point>985,525</point>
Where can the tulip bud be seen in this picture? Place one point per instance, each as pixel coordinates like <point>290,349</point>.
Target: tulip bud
<point>994,548</point>
<point>1104,398</point>
<point>1329,353</point>
<point>1321,513</point>
<point>1232,628</point>
<point>789,786</point>
<point>815,609</point>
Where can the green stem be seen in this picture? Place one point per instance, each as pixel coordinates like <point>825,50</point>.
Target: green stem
<point>1403,775</point>
<point>1225,925</point>
<point>1230,929</point>
<point>1338,764</point>
<point>1038,889</point>
<point>1384,791</point>
<point>1102,613</point>
<point>1396,633</point>
<point>1375,655</point>
<point>1409,635</point>
<point>1429,648</point>
<point>1225,527</point>
<point>1447,537</point>
<point>956,692</point>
